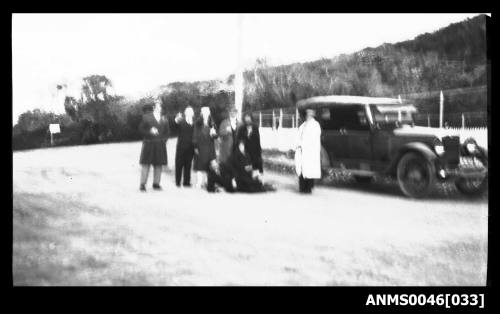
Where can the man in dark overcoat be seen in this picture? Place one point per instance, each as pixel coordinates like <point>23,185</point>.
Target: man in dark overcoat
<point>185,148</point>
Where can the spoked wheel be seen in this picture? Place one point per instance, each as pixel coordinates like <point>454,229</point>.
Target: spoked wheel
<point>416,175</point>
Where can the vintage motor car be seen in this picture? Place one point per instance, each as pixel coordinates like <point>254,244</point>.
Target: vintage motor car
<point>368,136</point>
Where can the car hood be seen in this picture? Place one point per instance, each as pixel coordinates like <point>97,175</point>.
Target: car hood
<point>407,130</point>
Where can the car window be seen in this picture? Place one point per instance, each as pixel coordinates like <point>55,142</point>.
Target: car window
<point>349,117</point>
<point>391,114</point>
<point>325,119</point>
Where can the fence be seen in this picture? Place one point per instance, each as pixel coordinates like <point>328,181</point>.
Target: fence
<point>277,118</point>
<point>453,120</point>
<point>288,118</point>
<point>278,126</point>
<point>283,139</point>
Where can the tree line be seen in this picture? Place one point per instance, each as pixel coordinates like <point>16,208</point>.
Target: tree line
<point>451,58</point>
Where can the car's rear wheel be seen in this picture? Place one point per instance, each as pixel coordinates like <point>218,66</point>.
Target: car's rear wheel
<point>363,179</point>
<point>416,175</point>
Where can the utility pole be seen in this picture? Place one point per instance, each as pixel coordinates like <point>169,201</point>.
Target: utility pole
<point>238,78</point>
<point>296,117</point>
<point>441,105</point>
<point>280,124</point>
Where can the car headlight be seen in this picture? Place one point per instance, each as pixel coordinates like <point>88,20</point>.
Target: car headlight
<point>471,148</point>
<point>439,149</point>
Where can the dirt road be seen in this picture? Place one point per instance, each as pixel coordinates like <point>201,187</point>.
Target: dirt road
<point>79,219</point>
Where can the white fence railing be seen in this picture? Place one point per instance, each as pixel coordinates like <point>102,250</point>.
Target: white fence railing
<point>479,134</point>
<point>283,139</point>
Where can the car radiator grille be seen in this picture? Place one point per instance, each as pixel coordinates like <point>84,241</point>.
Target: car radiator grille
<point>470,162</point>
<point>452,149</point>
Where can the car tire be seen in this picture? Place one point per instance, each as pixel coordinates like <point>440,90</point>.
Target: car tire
<point>416,175</point>
<point>363,179</point>
<point>473,187</point>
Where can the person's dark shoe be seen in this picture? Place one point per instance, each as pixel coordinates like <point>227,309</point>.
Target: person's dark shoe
<point>142,188</point>
<point>178,185</point>
<point>214,190</point>
<point>188,185</point>
<point>267,187</point>
<point>157,187</point>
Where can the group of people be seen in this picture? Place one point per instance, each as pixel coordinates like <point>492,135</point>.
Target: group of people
<point>236,165</point>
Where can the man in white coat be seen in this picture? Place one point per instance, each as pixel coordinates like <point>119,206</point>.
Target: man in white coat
<point>308,152</point>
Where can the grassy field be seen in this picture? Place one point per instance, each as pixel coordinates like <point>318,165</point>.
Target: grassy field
<point>79,219</point>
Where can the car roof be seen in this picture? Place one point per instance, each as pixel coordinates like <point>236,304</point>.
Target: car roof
<point>346,100</point>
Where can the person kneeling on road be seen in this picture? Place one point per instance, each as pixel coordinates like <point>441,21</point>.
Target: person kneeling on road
<point>247,179</point>
<point>220,174</point>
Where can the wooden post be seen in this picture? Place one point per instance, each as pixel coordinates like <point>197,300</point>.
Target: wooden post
<point>441,107</point>
<point>463,121</point>
<point>51,139</point>
<point>281,119</point>
<point>296,117</point>
<point>293,121</point>
<point>274,121</point>
<point>260,119</point>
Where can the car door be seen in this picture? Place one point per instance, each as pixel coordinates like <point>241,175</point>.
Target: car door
<point>332,139</point>
<point>357,133</point>
<point>381,143</point>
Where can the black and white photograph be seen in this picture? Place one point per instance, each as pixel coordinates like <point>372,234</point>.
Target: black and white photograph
<point>239,149</point>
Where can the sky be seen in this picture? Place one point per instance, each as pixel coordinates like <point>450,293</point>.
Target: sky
<point>140,52</point>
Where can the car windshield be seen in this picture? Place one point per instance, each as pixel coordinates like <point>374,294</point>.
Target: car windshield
<point>390,114</point>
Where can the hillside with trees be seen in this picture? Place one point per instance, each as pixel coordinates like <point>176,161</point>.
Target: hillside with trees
<point>452,59</point>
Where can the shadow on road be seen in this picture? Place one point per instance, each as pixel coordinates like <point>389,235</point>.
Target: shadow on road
<point>443,191</point>
<point>379,186</point>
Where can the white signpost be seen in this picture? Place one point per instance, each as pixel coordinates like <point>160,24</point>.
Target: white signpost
<point>54,128</point>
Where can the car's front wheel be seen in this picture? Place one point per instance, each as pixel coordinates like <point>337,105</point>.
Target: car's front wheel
<point>474,187</point>
<point>416,175</point>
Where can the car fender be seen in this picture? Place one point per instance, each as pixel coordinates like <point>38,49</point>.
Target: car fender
<point>484,151</point>
<point>417,147</point>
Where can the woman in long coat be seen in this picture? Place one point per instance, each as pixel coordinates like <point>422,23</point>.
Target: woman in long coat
<point>204,147</point>
<point>308,153</point>
<point>155,130</point>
